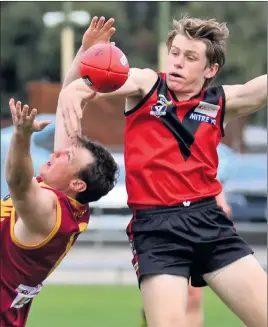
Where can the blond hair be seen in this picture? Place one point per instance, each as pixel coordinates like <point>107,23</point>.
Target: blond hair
<point>212,33</point>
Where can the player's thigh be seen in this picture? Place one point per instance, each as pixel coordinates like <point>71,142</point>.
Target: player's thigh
<point>242,285</point>
<point>195,315</point>
<point>165,300</point>
<point>195,297</point>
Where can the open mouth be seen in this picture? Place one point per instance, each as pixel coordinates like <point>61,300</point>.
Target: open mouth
<point>176,75</point>
<point>48,164</point>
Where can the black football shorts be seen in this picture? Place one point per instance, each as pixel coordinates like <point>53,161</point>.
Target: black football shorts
<point>184,240</point>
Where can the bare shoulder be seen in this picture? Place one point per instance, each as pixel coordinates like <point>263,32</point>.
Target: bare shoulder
<point>145,72</point>
<point>230,90</point>
<point>39,218</point>
<point>143,75</point>
<point>144,78</point>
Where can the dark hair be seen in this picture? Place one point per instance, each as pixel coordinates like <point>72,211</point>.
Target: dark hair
<point>99,176</point>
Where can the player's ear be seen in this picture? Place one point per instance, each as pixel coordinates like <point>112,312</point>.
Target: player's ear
<point>77,185</point>
<point>211,71</point>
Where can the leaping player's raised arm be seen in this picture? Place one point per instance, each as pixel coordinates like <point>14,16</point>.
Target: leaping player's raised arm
<point>75,91</point>
<point>65,114</point>
<point>245,99</point>
<point>68,121</point>
<point>70,108</point>
<point>33,204</point>
<point>98,30</point>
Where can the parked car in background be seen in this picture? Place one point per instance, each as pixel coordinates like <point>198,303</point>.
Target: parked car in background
<point>246,188</point>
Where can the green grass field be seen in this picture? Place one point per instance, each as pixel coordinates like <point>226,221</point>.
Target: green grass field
<point>107,306</point>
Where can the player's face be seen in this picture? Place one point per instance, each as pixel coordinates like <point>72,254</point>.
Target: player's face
<point>187,65</point>
<point>62,169</point>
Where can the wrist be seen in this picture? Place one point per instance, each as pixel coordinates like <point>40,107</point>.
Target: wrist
<point>22,132</point>
<point>83,48</point>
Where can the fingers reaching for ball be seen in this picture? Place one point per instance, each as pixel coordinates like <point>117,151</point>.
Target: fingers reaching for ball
<point>99,31</point>
<point>24,119</point>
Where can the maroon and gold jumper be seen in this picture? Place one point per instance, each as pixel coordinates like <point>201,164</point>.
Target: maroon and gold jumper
<point>26,267</point>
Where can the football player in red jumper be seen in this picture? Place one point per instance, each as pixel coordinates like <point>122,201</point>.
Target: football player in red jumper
<point>174,123</point>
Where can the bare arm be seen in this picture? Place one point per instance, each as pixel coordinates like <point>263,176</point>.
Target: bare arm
<point>74,93</point>
<point>133,86</point>
<point>74,72</point>
<point>69,98</point>
<point>61,139</point>
<point>98,31</point>
<point>139,83</point>
<point>245,99</point>
<point>34,205</point>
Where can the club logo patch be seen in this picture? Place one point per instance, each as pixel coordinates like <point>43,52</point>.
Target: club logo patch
<point>160,109</point>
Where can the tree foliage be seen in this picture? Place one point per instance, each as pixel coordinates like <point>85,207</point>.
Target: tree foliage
<point>31,51</point>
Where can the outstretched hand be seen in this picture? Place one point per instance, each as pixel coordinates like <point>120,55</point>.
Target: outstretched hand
<point>71,103</point>
<point>25,121</point>
<point>99,31</point>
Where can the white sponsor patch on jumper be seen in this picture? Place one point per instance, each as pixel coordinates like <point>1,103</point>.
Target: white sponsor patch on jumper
<point>25,294</point>
<point>207,109</point>
<point>203,118</point>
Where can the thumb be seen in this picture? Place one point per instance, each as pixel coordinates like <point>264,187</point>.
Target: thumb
<point>44,124</point>
<point>89,96</point>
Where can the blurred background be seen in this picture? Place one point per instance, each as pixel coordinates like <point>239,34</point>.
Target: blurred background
<point>95,284</point>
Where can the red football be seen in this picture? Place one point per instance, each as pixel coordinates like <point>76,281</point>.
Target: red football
<point>104,68</point>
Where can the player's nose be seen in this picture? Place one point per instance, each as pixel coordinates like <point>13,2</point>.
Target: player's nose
<point>179,63</point>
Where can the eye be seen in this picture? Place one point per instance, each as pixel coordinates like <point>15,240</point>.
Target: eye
<point>174,53</point>
<point>191,58</point>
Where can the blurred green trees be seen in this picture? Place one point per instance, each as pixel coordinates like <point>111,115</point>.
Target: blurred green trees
<point>30,51</point>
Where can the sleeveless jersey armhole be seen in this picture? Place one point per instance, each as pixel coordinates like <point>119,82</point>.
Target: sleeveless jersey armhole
<point>145,99</point>
<point>222,94</point>
<point>48,238</point>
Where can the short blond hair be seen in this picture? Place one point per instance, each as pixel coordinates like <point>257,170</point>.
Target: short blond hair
<point>212,33</point>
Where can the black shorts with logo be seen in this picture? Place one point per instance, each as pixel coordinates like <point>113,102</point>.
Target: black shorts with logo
<point>184,240</point>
